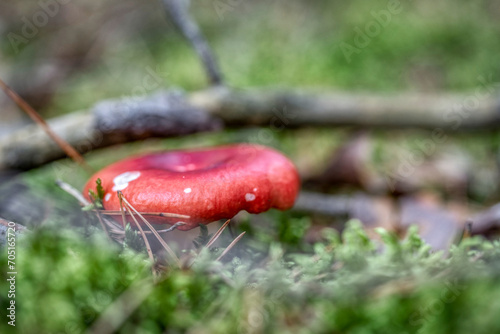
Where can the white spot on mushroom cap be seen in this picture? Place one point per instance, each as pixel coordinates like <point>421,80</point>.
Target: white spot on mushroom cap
<point>107,197</point>
<point>254,189</point>
<point>187,190</point>
<point>249,197</point>
<point>121,181</point>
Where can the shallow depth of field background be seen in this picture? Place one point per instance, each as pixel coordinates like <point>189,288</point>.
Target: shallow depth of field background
<point>92,50</point>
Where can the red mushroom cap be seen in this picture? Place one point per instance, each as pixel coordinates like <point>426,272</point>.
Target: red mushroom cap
<point>206,184</point>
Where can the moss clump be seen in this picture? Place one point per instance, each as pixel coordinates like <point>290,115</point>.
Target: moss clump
<point>347,284</point>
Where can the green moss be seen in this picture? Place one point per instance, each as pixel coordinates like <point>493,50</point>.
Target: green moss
<point>349,284</point>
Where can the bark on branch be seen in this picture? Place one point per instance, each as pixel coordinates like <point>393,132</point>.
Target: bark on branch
<point>330,108</point>
<point>167,114</point>
<point>164,114</point>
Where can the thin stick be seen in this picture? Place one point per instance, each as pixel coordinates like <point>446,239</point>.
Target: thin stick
<point>171,228</point>
<point>231,245</point>
<point>160,239</point>
<point>160,214</point>
<point>67,148</point>
<point>146,242</point>
<point>189,28</point>
<point>217,234</point>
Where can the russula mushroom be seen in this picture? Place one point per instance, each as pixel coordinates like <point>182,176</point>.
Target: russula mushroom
<point>205,184</point>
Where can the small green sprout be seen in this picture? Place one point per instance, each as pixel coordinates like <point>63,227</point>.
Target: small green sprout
<point>97,197</point>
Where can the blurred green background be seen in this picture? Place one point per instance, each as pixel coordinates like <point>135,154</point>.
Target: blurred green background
<point>426,46</point>
<point>89,51</point>
<point>92,50</point>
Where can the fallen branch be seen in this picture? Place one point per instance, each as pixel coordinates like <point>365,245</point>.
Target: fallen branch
<point>278,108</point>
<point>167,114</point>
<point>164,114</point>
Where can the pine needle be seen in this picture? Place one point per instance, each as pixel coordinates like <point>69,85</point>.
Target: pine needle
<point>231,245</point>
<point>65,146</point>
<point>148,224</point>
<point>217,234</point>
<point>146,242</point>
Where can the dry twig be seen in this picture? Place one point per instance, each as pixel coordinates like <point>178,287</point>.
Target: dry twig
<point>179,14</point>
<point>165,114</point>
